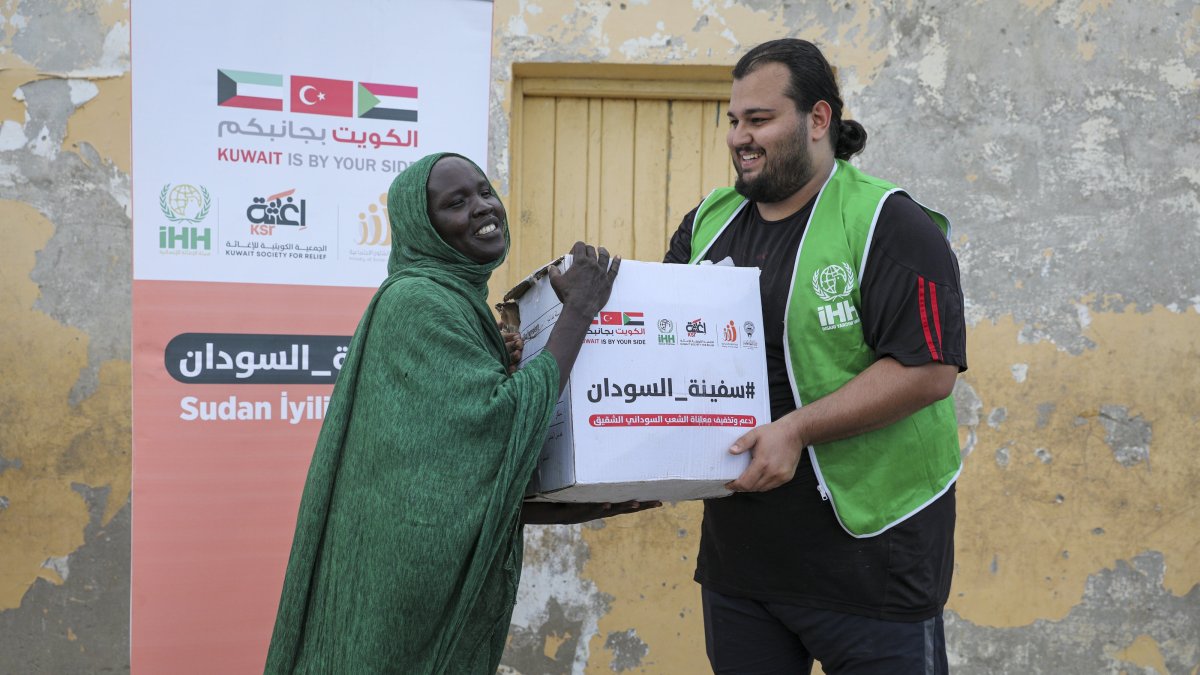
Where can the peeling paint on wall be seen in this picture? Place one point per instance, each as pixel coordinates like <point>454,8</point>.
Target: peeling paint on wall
<point>1059,135</point>
<point>557,610</point>
<point>1100,473</point>
<point>1051,133</point>
<point>64,357</point>
<point>1125,622</point>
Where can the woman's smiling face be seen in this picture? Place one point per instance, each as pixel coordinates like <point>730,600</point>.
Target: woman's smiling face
<point>465,211</point>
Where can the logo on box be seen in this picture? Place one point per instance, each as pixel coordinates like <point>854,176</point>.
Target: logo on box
<point>730,333</point>
<point>697,334</point>
<point>748,330</point>
<point>666,332</point>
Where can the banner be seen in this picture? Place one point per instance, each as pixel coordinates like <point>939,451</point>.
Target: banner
<point>265,136</point>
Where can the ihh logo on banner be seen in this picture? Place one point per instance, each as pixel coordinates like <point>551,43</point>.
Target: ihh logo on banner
<point>184,204</point>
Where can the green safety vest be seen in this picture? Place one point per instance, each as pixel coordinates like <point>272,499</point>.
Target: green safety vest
<point>879,478</point>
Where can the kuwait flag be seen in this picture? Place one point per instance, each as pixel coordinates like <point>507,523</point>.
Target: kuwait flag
<point>387,102</point>
<point>320,96</point>
<point>244,89</point>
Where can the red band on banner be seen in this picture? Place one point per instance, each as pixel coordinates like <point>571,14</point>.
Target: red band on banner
<point>672,420</point>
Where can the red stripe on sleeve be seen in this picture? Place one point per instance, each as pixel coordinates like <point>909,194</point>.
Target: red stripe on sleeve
<point>937,319</point>
<point>925,318</point>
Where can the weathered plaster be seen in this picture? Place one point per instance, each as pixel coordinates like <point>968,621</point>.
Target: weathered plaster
<point>557,610</point>
<point>1061,137</point>
<point>88,129</point>
<point>645,562</point>
<point>78,38</point>
<point>1125,622</point>
<point>1052,134</point>
<point>52,447</point>
<point>1049,155</point>
<point>78,625</point>
<point>64,356</point>
<point>1114,476</point>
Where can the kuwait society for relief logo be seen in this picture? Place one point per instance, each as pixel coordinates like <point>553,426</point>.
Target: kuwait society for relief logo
<point>833,284</point>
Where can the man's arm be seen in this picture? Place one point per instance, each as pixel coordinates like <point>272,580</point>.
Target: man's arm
<point>884,393</point>
<point>680,249</point>
<point>554,513</point>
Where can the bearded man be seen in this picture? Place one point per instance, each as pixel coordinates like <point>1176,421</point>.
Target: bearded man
<point>838,542</point>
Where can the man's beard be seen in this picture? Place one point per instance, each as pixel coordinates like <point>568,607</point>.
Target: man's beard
<point>782,175</point>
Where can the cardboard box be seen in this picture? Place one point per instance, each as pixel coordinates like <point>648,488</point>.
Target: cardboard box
<point>672,372</point>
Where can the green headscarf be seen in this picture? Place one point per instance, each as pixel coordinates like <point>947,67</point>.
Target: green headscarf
<point>407,550</point>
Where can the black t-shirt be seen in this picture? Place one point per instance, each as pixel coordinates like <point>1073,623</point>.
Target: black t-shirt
<point>785,545</point>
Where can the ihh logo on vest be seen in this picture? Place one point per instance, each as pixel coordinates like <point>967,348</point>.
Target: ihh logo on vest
<point>832,284</point>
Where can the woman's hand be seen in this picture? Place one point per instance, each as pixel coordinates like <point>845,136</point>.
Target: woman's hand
<point>514,344</point>
<point>583,289</point>
<point>586,285</point>
<point>556,513</point>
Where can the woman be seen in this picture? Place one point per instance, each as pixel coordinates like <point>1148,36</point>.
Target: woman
<point>407,551</point>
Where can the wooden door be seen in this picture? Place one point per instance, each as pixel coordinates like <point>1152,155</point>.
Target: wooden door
<point>615,163</point>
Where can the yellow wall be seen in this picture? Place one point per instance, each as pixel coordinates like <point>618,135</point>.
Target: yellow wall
<point>1079,411</point>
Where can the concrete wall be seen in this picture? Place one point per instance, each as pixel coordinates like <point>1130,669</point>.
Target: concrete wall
<point>64,336</point>
<point>1062,137</point>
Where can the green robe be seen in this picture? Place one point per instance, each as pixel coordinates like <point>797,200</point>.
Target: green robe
<point>408,545</point>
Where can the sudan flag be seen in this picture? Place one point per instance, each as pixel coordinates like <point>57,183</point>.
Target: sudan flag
<point>387,102</point>
<point>622,319</point>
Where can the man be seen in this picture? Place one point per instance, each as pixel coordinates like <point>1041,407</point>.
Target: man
<point>837,544</point>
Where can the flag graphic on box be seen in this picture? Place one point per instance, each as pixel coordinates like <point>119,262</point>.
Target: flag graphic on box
<point>387,102</point>
<point>245,89</point>
<point>322,96</point>
<point>622,319</point>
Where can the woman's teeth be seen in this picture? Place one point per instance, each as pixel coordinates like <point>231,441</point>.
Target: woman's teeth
<point>486,229</point>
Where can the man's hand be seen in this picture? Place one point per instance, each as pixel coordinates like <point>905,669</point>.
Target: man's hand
<point>554,513</point>
<point>774,454</point>
<point>887,391</point>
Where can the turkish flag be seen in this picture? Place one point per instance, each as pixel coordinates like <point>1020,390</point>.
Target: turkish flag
<point>610,318</point>
<point>321,96</point>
